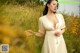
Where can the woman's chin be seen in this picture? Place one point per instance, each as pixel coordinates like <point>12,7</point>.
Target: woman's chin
<point>54,12</point>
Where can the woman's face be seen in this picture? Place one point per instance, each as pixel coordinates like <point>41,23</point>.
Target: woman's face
<point>53,6</point>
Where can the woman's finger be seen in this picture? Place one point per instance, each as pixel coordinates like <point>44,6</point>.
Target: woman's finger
<point>28,33</point>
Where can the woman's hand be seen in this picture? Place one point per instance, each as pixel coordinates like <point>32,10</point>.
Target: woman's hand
<point>58,33</point>
<point>28,32</point>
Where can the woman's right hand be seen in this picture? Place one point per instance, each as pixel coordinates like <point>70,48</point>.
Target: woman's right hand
<point>28,32</point>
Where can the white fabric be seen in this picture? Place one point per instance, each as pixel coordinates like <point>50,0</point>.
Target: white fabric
<point>52,43</point>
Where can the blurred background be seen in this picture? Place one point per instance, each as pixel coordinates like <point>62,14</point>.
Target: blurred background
<point>16,16</point>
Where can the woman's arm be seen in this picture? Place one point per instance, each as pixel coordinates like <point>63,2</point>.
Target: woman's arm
<point>30,32</point>
<point>39,34</point>
<point>59,32</point>
<point>63,30</point>
<point>41,29</point>
<point>63,27</point>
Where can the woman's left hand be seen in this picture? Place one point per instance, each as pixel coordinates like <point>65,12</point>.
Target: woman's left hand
<point>58,33</point>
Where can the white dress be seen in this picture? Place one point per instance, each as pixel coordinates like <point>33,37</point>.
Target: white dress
<point>52,43</point>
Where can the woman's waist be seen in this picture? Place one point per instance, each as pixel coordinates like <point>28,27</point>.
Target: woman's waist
<point>50,33</point>
<point>53,31</point>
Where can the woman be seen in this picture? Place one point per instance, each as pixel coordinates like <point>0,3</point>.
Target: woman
<point>52,25</point>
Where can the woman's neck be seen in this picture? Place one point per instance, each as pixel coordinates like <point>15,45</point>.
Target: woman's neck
<point>50,13</point>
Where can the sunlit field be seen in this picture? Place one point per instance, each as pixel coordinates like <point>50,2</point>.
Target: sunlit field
<point>15,19</point>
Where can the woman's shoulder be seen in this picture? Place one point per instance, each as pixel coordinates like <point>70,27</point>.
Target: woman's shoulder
<point>60,14</point>
<point>42,17</point>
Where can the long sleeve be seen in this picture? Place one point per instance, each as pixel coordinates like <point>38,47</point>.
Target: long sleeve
<point>41,27</point>
<point>63,21</point>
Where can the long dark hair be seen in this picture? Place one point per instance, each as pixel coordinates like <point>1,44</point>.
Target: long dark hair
<point>46,7</point>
